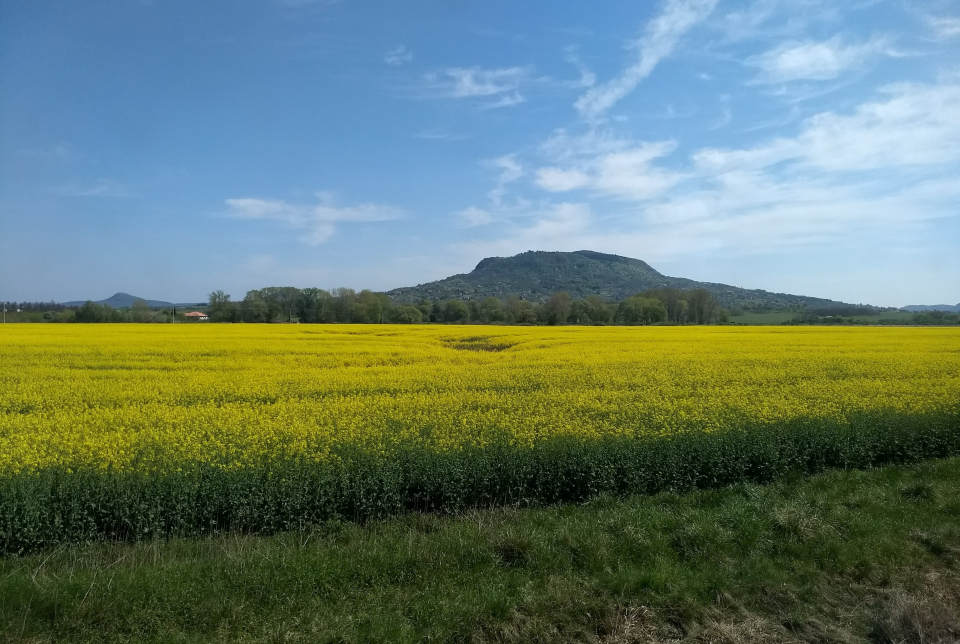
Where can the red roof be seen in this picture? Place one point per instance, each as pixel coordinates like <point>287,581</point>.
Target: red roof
<point>195,314</point>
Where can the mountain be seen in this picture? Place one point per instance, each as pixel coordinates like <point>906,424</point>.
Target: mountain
<point>953,308</point>
<point>535,275</point>
<point>122,301</point>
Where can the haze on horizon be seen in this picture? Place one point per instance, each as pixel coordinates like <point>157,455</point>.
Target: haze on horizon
<point>168,149</point>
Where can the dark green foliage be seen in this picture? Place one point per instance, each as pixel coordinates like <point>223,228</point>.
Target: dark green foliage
<point>52,506</point>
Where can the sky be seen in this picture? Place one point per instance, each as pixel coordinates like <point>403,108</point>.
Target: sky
<point>169,148</point>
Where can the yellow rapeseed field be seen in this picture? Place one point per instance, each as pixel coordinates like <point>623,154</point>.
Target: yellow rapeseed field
<point>131,395</point>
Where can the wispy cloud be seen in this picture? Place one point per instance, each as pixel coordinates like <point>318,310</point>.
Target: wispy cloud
<point>464,82</point>
<point>946,27</point>
<point>510,170</point>
<point>399,56</point>
<point>317,221</point>
<point>816,61</point>
<point>657,42</point>
<point>587,77</point>
<point>627,173</point>
<point>506,100</point>
<point>918,125</point>
<point>501,85</point>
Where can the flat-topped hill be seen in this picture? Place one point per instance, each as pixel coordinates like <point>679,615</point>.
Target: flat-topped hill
<point>535,275</point>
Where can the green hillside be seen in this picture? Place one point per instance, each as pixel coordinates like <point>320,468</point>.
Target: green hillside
<point>535,275</point>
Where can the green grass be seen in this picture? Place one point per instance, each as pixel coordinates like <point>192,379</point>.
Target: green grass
<point>847,556</point>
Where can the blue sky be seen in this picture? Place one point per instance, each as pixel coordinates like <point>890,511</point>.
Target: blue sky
<point>170,148</point>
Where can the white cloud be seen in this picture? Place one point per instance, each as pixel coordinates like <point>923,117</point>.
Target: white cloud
<point>560,180</point>
<point>587,77</point>
<point>510,170</point>
<point>945,27</point>
<point>623,170</point>
<point>658,41</point>
<point>463,82</point>
<point>917,125</point>
<point>398,56</point>
<point>816,61</point>
<point>507,100</point>
<point>317,221</point>
<point>631,175</point>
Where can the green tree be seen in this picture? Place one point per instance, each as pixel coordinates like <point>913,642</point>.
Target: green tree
<point>140,311</point>
<point>406,314</point>
<point>426,307</point>
<point>557,308</point>
<point>343,301</point>
<point>221,308</point>
<point>703,307</point>
<point>91,312</point>
<point>592,310</point>
<point>491,310</point>
<point>641,310</point>
<point>521,311</point>
<point>456,311</point>
<point>254,308</point>
<point>370,307</point>
<point>315,305</point>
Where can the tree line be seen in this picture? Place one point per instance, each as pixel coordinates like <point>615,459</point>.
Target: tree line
<point>345,305</point>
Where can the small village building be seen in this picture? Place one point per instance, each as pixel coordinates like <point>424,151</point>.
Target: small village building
<point>196,315</point>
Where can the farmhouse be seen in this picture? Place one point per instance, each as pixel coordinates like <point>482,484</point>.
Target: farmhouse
<point>196,315</point>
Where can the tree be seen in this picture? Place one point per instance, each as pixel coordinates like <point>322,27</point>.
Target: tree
<point>140,311</point>
<point>343,301</point>
<point>671,299</point>
<point>369,307</point>
<point>426,310</point>
<point>455,311</point>
<point>556,310</point>
<point>221,308</point>
<point>641,310</point>
<point>91,312</point>
<point>491,310</point>
<point>592,310</point>
<point>281,302</point>
<point>406,314</point>
<point>521,311</point>
<point>254,308</point>
<point>315,305</point>
<point>702,306</point>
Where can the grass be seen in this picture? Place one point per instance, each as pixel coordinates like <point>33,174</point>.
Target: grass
<point>846,556</point>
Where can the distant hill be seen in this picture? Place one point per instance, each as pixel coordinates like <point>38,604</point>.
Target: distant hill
<point>122,301</point>
<point>954,308</point>
<point>535,275</point>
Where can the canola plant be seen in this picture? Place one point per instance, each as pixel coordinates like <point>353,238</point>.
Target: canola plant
<point>136,401</point>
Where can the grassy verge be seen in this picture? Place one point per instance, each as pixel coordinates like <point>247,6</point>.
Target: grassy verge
<point>847,556</point>
<point>40,510</point>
